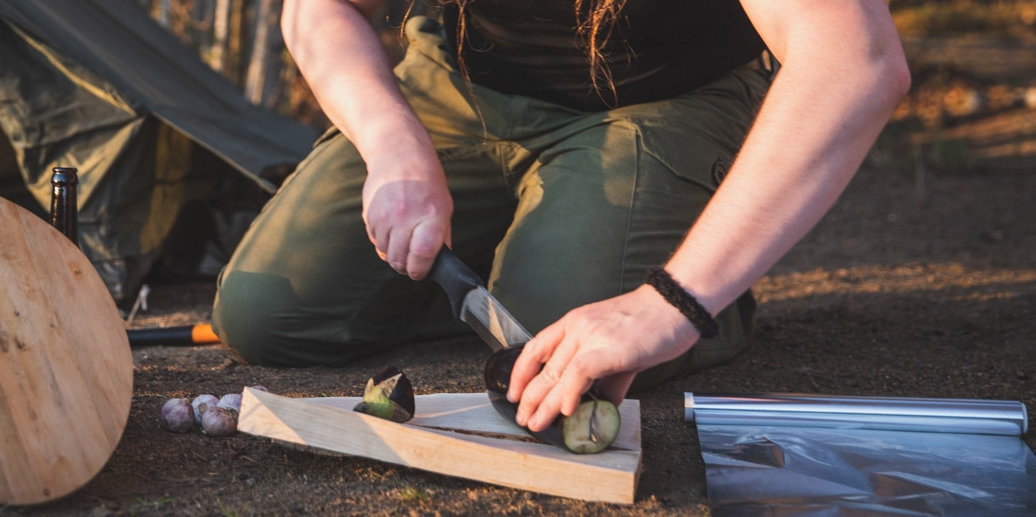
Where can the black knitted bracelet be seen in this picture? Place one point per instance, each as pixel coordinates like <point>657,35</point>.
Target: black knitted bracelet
<point>659,278</point>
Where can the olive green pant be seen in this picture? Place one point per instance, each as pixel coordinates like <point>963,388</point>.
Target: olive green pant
<point>556,208</point>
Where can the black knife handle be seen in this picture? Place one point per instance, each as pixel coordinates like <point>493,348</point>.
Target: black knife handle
<point>455,277</point>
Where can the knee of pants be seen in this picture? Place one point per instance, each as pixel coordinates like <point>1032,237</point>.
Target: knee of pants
<point>260,318</point>
<point>246,314</point>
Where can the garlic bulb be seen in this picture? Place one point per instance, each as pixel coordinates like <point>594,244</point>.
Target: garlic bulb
<point>230,401</point>
<point>177,415</point>
<point>208,400</point>
<point>219,421</point>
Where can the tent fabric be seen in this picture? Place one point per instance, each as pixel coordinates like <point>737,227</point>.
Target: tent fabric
<point>98,85</point>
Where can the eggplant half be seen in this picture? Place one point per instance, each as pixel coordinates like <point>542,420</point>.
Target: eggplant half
<point>592,428</point>
<point>388,395</point>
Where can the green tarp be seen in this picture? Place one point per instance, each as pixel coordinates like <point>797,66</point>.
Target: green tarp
<point>154,132</point>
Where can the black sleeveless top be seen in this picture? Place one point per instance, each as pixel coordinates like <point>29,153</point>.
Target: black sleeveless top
<point>658,49</point>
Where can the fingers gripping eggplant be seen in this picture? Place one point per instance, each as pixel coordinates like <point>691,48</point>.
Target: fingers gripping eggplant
<point>592,428</point>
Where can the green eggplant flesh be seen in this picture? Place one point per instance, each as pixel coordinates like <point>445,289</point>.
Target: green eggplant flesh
<point>388,395</point>
<point>591,429</point>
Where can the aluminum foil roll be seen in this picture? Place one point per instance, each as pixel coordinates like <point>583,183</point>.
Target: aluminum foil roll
<point>970,416</point>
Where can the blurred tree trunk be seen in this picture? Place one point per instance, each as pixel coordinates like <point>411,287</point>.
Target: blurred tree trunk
<point>235,33</point>
<point>161,12</point>
<point>220,35</point>
<point>241,40</point>
<point>262,68</point>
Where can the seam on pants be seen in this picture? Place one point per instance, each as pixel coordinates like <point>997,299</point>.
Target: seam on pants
<point>637,140</point>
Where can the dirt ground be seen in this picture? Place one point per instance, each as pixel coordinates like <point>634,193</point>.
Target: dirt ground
<point>920,282</point>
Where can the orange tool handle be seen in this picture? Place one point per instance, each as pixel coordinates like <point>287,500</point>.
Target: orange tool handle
<point>200,334</point>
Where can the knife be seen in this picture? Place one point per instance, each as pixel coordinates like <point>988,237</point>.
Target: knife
<point>472,303</point>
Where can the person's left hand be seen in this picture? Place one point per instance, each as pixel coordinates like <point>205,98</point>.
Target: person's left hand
<point>609,341</point>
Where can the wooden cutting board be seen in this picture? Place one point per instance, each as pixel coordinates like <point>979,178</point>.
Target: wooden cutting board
<point>456,434</point>
<point>66,370</point>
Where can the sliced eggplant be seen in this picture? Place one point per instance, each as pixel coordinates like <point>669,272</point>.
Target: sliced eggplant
<point>592,428</point>
<point>388,395</point>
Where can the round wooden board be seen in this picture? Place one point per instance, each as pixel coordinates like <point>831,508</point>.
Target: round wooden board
<point>66,370</point>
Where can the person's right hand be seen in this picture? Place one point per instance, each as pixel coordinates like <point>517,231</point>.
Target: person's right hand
<point>607,342</point>
<point>407,209</point>
<point>406,205</point>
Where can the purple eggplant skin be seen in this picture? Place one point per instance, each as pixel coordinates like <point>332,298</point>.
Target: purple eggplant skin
<point>403,392</point>
<point>591,429</point>
<point>388,395</point>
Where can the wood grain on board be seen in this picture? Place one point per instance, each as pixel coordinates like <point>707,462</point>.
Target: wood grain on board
<point>456,434</point>
<point>66,370</point>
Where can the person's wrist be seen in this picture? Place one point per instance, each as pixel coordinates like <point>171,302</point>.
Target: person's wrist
<point>675,294</point>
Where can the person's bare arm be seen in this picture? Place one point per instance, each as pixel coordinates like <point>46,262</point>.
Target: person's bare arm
<point>407,207</point>
<point>842,74</point>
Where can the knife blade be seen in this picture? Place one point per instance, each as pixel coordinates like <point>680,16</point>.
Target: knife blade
<point>472,303</point>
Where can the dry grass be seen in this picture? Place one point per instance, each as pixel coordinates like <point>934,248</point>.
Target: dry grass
<point>1014,19</point>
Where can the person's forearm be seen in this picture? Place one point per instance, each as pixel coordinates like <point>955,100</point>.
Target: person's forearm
<point>832,97</point>
<point>406,203</point>
<point>338,52</point>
